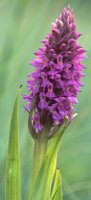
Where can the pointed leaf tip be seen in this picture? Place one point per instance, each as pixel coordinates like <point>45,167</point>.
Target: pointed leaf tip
<point>13,179</point>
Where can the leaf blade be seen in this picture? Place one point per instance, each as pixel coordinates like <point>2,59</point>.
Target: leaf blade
<point>13,179</point>
<point>57,188</point>
<point>42,187</point>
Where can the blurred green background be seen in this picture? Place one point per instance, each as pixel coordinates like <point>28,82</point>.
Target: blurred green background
<point>23,23</point>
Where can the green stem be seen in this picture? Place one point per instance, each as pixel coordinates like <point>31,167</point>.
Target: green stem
<point>40,148</point>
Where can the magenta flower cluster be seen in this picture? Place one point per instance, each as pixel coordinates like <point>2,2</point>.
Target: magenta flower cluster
<point>56,82</point>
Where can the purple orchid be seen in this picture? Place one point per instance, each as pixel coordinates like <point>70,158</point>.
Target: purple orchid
<point>56,82</point>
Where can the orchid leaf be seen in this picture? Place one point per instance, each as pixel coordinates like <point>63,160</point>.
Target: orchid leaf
<point>41,190</point>
<point>57,187</point>
<point>13,179</point>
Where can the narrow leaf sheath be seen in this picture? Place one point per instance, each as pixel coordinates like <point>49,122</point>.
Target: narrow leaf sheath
<point>13,180</point>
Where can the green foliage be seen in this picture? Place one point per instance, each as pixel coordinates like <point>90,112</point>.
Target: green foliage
<point>57,187</point>
<point>23,23</point>
<point>13,177</point>
<point>41,189</point>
